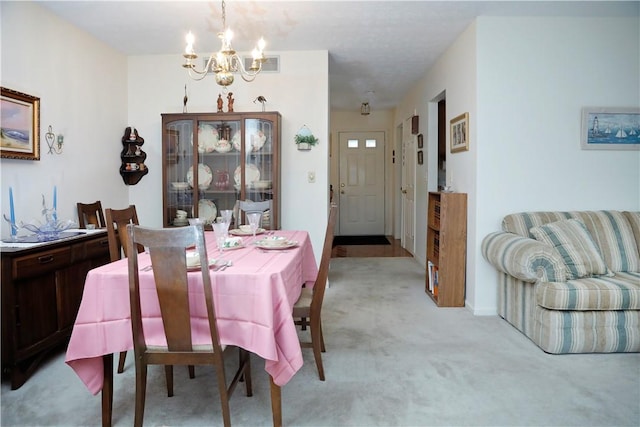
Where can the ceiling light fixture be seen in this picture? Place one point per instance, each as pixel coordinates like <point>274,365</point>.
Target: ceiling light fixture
<point>226,61</point>
<point>365,109</point>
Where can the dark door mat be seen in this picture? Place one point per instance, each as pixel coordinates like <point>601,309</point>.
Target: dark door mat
<point>360,240</point>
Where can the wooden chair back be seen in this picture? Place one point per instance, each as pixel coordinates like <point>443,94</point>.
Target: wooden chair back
<point>90,213</point>
<point>323,270</point>
<point>248,206</point>
<point>117,221</point>
<point>167,249</point>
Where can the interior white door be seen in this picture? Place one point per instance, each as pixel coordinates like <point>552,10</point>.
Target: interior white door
<point>361,192</point>
<point>408,188</point>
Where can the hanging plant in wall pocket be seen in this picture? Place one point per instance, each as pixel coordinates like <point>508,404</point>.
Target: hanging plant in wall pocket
<point>305,139</point>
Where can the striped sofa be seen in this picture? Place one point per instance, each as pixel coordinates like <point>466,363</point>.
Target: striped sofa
<point>570,281</point>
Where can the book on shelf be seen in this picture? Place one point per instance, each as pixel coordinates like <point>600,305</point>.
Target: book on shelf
<point>433,278</point>
<point>430,275</point>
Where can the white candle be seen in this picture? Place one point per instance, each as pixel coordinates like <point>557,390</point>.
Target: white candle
<point>12,212</point>
<point>55,203</point>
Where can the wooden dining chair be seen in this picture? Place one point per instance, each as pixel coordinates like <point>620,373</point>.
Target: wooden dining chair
<point>167,249</point>
<point>90,213</point>
<point>307,309</point>
<point>117,221</point>
<point>248,206</point>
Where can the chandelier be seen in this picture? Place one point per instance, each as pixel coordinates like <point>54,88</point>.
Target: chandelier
<point>226,62</point>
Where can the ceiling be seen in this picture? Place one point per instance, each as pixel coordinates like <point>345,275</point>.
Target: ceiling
<point>377,49</point>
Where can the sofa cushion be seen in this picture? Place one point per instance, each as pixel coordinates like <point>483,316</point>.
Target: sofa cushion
<point>620,292</point>
<point>576,246</point>
<point>561,331</point>
<point>634,221</point>
<point>614,236</point>
<point>521,223</point>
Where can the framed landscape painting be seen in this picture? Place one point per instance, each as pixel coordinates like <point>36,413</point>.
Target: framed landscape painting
<point>610,128</point>
<point>20,131</point>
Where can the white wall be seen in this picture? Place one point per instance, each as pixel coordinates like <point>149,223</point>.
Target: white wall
<point>81,84</point>
<point>524,82</point>
<point>156,86</point>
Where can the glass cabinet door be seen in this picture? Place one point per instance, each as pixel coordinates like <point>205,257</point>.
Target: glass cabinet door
<point>177,172</point>
<point>259,166</point>
<point>219,155</point>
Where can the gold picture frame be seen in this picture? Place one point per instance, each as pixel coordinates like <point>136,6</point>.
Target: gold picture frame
<point>459,133</point>
<point>20,131</point>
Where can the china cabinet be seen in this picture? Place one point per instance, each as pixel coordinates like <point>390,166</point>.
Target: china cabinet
<point>446,248</point>
<point>211,161</point>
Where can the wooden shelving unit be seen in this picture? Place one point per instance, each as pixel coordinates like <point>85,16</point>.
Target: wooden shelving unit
<point>446,248</point>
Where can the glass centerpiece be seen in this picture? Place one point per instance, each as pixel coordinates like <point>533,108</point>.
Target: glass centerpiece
<point>49,229</point>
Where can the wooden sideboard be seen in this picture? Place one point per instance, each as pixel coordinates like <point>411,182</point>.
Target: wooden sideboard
<point>41,292</point>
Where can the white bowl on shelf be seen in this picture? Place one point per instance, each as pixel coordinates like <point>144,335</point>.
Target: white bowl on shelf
<point>262,184</point>
<point>179,185</point>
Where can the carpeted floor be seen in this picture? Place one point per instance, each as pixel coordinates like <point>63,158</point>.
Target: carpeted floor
<point>360,240</point>
<point>393,359</point>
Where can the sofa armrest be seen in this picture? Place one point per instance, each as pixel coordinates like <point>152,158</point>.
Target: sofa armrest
<point>523,258</point>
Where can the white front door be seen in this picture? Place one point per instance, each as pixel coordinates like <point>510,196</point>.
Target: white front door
<point>361,188</point>
<point>408,188</point>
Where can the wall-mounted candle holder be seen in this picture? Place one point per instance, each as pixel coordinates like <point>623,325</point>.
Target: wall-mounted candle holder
<point>55,144</point>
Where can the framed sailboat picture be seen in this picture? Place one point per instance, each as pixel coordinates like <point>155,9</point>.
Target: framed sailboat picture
<point>20,128</point>
<point>610,128</point>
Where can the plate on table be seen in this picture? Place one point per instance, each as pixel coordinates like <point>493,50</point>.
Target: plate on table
<point>269,245</point>
<point>251,173</point>
<point>238,232</point>
<point>193,263</point>
<point>207,210</point>
<point>207,138</point>
<point>231,243</point>
<point>205,176</point>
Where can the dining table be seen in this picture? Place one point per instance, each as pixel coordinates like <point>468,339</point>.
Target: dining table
<point>253,297</point>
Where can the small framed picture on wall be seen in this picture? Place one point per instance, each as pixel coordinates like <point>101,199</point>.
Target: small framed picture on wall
<point>420,141</point>
<point>420,157</point>
<point>459,134</point>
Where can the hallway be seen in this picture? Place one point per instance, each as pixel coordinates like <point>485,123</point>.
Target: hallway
<point>368,251</point>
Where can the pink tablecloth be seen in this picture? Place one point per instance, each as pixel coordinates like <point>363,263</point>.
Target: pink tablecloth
<point>253,298</point>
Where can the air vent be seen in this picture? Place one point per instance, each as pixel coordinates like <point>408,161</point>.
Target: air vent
<point>271,65</point>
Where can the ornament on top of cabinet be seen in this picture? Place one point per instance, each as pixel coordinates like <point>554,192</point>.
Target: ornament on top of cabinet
<point>185,99</point>
<point>220,103</point>
<point>261,99</point>
<point>230,102</point>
